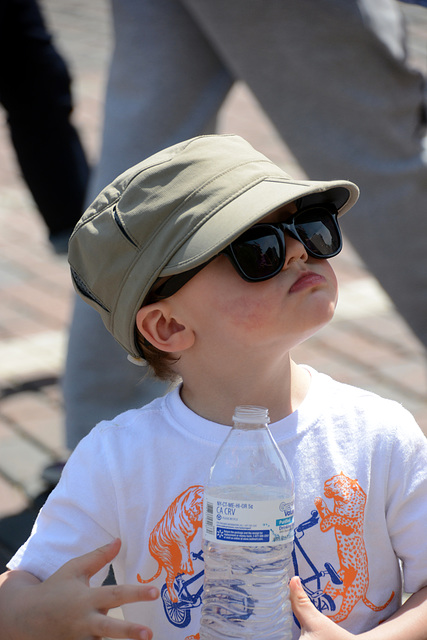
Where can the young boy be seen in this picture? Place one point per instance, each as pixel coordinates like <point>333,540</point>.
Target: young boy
<point>210,263</point>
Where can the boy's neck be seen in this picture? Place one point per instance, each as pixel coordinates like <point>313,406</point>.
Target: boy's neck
<point>215,398</point>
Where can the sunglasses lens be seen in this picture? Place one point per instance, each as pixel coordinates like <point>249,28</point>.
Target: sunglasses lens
<point>258,252</point>
<point>319,232</point>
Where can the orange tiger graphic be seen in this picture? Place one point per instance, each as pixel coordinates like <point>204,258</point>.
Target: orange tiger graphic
<point>170,539</point>
<point>347,519</point>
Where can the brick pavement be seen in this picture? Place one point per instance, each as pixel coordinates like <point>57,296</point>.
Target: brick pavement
<point>366,345</point>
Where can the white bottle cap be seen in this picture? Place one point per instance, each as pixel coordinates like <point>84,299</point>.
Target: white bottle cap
<point>249,414</point>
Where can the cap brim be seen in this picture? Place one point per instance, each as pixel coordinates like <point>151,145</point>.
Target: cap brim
<point>234,217</point>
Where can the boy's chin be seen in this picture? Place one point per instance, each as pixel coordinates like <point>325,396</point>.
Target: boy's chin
<point>322,318</point>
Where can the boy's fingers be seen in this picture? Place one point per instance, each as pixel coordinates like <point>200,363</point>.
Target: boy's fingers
<point>105,627</point>
<point>90,563</point>
<point>110,597</point>
<point>313,623</point>
<point>308,616</point>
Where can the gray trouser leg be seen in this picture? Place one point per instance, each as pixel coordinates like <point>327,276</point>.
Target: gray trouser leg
<point>100,382</point>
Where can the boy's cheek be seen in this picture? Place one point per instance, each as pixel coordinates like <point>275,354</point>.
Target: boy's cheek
<point>247,313</point>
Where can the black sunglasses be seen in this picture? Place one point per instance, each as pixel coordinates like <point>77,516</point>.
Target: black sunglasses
<point>260,252</point>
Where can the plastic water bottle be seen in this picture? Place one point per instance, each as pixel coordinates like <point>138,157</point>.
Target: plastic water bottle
<point>248,519</point>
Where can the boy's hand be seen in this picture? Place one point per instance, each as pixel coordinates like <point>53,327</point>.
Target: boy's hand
<point>314,625</point>
<point>64,606</point>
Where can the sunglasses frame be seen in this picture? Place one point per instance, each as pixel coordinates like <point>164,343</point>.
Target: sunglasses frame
<point>279,229</point>
<point>166,288</point>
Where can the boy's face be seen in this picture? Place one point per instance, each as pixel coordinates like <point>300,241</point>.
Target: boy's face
<point>278,313</point>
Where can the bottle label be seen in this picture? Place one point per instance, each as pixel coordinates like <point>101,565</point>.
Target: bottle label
<point>256,522</point>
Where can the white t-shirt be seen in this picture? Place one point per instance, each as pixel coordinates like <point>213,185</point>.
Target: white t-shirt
<point>140,477</point>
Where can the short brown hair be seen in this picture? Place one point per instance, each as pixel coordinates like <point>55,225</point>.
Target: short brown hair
<point>159,361</point>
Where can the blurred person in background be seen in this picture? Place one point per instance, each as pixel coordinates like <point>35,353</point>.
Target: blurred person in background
<point>35,91</point>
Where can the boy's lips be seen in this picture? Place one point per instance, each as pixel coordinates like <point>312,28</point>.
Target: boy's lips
<point>307,279</point>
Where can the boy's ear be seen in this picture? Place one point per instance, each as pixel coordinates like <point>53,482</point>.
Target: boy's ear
<point>158,325</point>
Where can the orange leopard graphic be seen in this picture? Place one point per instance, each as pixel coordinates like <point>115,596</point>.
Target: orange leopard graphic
<point>170,539</point>
<point>196,637</point>
<point>347,519</point>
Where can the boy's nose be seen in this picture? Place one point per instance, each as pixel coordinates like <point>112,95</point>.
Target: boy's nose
<point>295,250</point>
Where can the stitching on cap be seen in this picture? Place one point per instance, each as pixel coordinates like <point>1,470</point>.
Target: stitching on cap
<point>222,203</point>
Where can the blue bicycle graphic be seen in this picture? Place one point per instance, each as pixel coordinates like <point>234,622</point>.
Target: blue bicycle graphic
<point>179,613</point>
<point>322,601</point>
